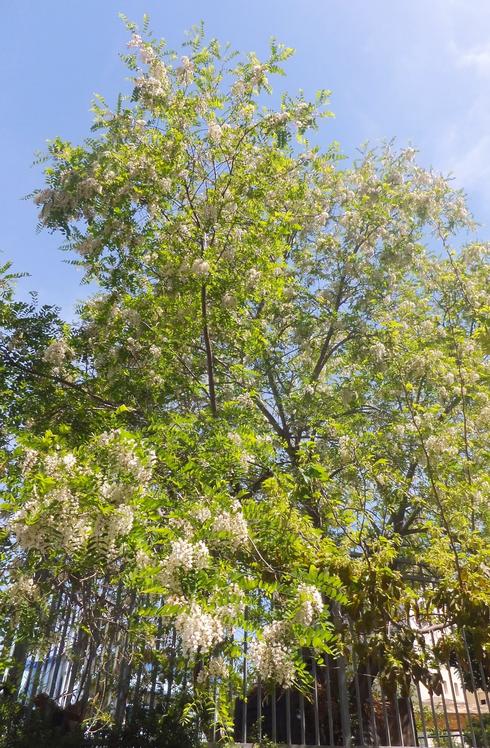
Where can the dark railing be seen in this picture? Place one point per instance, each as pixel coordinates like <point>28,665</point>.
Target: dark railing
<point>346,704</point>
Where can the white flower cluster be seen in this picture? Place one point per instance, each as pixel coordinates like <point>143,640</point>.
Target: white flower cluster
<point>202,514</point>
<point>124,456</point>
<point>122,521</point>
<point>310,604</point>
<point>184,556</point>
<point>55,520</point>
<point>346,448</point>
<point>150,86</point>
<point>278,118</point>
<point>50,200</point>
<point>109,529</point>
<point>258,74</point>
<point>23,588</point>
<point>88,188</point>
<point>57,353</point>
<point>115,493</point>
<point>442,444</point>
<point>215,131</point>
<point>378,351</point>
<point>272,657</point>
<point>144,49</point>
<point>142,559</point>
<point>234,525</point>
<point>200,267</point>
<point>217,667</point>
<point>156,83</point>
<point>31,457</point>
<point>44,196</point>
<point>185,71</point>
<point>198,631</point>
<point>88,246</point>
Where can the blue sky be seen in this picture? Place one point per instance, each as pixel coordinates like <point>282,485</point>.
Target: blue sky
<point>416,70</point>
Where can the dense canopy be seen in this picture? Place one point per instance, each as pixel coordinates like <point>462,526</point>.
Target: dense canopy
<point>275,412</point>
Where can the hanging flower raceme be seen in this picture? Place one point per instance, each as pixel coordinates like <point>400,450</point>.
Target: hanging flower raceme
<point>77,502</point>
<point>184,556</point>
<point>272,655</point>
<point>198,631</point>
<point>310,604</point>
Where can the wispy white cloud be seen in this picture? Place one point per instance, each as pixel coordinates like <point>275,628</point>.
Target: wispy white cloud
<point>462,140</point>
<point>477,59</point>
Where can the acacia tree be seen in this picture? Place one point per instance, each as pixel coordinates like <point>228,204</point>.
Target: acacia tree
<point>284,384</point>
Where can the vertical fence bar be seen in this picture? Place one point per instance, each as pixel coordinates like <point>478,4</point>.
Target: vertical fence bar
<point>328,686</point>
<point>398,718</point>
<point>344,702</point>
<point>259,711</point>
<point>443,699</point>
<point>154,672</point>
<point>59,652</point>
<point>302,718</point>
<point>411,715</point>
<point>342,682</point>
<point>171,667</point>
<point>385,715</point>
<point>245,686</point>
<point>315,703</point>
<point>136,692</point>
<point>215,716</point>
<point>355,666</point>
<point>422,716</point>
<point>434,715</point>
<point>465,695</point>
<point>79,646</point>
<point>473,684</point>
<point>456,710</point>
<point>288,716</point>
<point>371,705</point>
<point>274,714</point>
<point>30,674</point>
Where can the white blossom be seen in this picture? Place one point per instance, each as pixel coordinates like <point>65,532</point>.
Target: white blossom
<point>254,276</point>
<point>57,353</point>
<point>378,351</point>
<point>142,559</point>
<point>87,247</point>
<point>69,460</point>
<point>184,556</point>
<point>202,514</point>
<point>234,525</point>
<point>272,657</point>
<point>23,588</point>
<point>121,521</point>
<point>200,267</point>
<point>89,187</point>
<point>44,196</point>
<point>151,86</point>
<point>310,604</point>
<point>217,667</point>
<point>215,131</point>
<point>185,71</point>
<point>198,631</point>
<point>229,300</point>
<point>31,457</point>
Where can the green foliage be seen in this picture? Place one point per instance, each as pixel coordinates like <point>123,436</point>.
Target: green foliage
<point>20,728</point>
<point>480,728</point>
<point>278,404</point>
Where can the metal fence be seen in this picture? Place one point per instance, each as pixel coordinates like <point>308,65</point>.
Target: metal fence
<point>346,704</point>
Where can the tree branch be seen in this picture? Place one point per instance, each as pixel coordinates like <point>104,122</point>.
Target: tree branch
<point>209,352</point>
